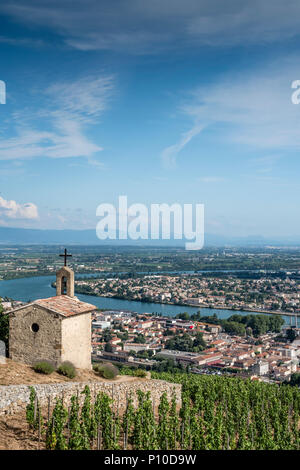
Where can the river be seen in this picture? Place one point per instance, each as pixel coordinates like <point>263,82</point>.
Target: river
<point>32,288</point>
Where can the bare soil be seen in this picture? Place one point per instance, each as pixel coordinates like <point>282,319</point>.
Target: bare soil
<point>14,431</point>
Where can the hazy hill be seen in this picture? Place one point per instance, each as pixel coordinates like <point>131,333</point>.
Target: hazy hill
<point>24,236</point>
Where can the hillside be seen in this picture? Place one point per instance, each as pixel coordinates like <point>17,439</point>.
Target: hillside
<point>27,236</point>
<point>13,373</point>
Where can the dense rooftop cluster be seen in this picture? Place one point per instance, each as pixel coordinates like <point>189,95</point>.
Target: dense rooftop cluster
<point>147,340</point>
<point>263,294</point>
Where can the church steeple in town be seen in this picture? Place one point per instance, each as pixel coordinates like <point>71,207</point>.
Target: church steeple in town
<point>65,278</point>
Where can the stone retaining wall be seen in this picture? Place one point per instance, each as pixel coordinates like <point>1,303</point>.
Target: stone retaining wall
<point>14,398</point>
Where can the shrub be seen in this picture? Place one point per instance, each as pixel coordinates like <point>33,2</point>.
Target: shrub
<point>108,371</point>
<point>43,367</point>
<point>140,373</point>
<point>97,368</point>
<point>68,369</point>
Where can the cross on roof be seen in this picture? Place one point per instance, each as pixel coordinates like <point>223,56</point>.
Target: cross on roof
<point>65,255</point>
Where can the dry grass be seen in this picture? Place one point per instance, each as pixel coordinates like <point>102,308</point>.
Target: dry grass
<point>13,373</point>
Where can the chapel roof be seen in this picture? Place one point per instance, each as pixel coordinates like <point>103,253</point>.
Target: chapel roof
<point>64,305</point>
<point>61,304</point>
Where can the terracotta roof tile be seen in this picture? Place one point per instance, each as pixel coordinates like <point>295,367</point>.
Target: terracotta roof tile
<point>66,306</point>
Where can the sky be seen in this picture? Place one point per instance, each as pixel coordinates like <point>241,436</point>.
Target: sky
<point>165,101</point>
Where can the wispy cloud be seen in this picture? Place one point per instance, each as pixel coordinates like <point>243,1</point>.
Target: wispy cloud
<point>254,106</point>
<point>251,109</point>
<point>67,110</point>
<point>83,99</point>
<point>170,153</point>
<point>265,164</point>
<point>147,27</point>
<point>27,42</point>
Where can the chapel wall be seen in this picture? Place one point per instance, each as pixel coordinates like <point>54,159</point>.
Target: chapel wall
<point>29,347</point>
<point>76,340</point>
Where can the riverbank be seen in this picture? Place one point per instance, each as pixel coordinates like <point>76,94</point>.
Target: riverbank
<point>246,309</point>
<point>26,275</point>
<point>28,289</point>
<point>243,308</point>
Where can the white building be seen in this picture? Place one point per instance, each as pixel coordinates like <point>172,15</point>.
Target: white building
<point>261,368</point>
<point>102,324</point>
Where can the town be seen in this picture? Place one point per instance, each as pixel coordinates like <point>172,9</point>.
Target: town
<point>266,293</point>
<point>146,341</point>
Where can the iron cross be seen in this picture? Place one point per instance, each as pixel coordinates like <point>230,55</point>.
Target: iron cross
<point>65,255</point>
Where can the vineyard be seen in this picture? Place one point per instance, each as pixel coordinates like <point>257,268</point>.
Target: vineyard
<point>216,413</point>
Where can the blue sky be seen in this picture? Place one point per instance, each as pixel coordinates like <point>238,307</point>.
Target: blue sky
<point>165,101</point>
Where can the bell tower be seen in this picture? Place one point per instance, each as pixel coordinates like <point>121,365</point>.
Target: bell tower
<point>55,329</point>
<point>65,279</point>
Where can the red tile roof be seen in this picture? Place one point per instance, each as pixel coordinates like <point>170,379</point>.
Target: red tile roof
<point>66,306</point>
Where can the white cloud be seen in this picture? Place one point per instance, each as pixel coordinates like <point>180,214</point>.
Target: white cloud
<point>66,143</point>
<point>72,107</point>
<point>252,109</point>
<point>12,210</point>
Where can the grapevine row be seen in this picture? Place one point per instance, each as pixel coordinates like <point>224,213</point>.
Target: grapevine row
<point>216,413</point>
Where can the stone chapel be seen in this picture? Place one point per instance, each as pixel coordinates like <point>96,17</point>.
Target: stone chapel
<point>55,329</point>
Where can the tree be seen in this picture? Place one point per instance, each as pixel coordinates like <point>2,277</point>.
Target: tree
<point>168,332</point>
<point>186,342</point>
<point>234,328</point>
<point>275,323</point>
<point>108,347</point>
<point>183,316</point>
<point>180,343</point>
<point>132,352</point>
<point>295,379</point>
<point>4,326</point>
<point>106,335</point>
<point>291,334</point>
<point>199,343</point>
<point>123,336</point>
<point>196,316</point>
<point>139,338</point>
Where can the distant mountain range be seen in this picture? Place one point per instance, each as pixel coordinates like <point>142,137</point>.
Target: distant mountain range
<point>24,236</point>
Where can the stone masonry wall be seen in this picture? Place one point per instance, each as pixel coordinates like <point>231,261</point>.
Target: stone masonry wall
<point>14,398</point>
<point>27,346</point>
